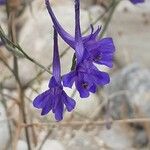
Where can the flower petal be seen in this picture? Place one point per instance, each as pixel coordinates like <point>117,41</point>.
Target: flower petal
<point>100,78</point>
<point>79,48</point>
<point>53,83</point>
<point>65,36</point>
<point>68,101</point>
<point>59,110</point>
<point>68,79</point>
<point>92,36</point>
<point>56,60</point>
<point>95,34</point>
<point>107,45</point>
<point>93,88</point>
<point>103,45</point>
<point>84,93</point>
<point>40,100</point>
<point>105,59</point>
<point>48,106</point>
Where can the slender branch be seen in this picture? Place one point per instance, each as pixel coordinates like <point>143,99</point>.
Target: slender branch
<point>21,95</point>
<point>115,4</point>
<point>12,9</point>
<point>9,124</point>
<point>95,123</point>
<point>12,47</point>
<point>41,72</point>
<point>5,63</point>
<point>45,138</point>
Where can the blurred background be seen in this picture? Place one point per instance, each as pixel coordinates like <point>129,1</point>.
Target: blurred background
<point>90,126</point>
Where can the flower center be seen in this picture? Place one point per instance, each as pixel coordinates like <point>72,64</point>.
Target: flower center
<point>97,58</point>
<point>85,85</point>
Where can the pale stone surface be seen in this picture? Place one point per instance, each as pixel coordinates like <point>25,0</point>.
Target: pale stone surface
<point>82,141</point>
<point>87,106</point>
<point>87,3</point>
<point>95,11</point>
<point>22,145</point>
<point>131,34</point>
<point>129,98</point>
<point>3,127</point>
<point>52,145</point>
<point>27,71</point>
<point>116,138</point>
<point>133,84</point>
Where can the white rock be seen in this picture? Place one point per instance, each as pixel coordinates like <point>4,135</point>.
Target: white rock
<point>95,11</point>
<point>82,141</point>
<point>86,3</point>
<point>4,131</point>
<point>126,4</point>
<point>22,145</point>
<point>85,106</point>
<point>27,71</point>
<point>53,145</point>
<point>131,35</point>
<point>116,138</point>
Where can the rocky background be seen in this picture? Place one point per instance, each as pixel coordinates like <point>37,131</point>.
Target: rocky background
<point>126,97</point>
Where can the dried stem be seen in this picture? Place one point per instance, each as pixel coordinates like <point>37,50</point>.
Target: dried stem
<point>12,7</point>
<point>87,123</point>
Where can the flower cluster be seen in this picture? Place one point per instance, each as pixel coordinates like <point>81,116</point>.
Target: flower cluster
<point>89,50</point>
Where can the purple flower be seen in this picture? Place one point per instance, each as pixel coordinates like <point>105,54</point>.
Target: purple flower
<point>137,1</point>
<point>86,77</point>
<point>2,2</point>
<point>55,97</point>
<point>88,49</point>
<point>84,45</point>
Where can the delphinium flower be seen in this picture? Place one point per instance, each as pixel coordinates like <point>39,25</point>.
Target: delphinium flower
<point>2,2</point>
<point>88,49</point>
<point>137,1</point>
<point>86,77</point>
<point>55,97</point>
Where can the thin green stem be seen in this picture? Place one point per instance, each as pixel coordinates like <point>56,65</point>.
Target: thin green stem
<point>13,48</point>
<point>73,62</point>
<point>115,4</point>
<point>11,14</point>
